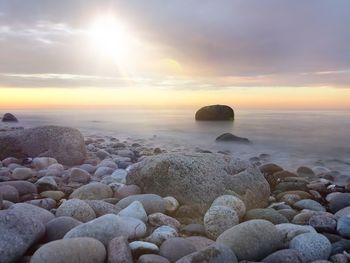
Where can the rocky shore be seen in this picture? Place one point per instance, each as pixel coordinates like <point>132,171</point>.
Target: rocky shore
<point>66,198</point>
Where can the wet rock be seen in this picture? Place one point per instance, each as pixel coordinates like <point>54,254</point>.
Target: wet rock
<point>82,249</point>
<point>175,248</point>
<point>92,191</point>
<point>252,240</point>
<point>77,209</point>
<point>215,113</point>
<point>119,251</point>
<point>151,203</point>
<point>59,226</point>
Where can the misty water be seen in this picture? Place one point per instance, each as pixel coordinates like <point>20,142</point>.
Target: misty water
<point>292,138</point>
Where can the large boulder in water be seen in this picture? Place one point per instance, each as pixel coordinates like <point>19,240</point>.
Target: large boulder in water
<point>9,117</point>
<point>215,113</point>
<point>198,179</point>
<point>64,144</point>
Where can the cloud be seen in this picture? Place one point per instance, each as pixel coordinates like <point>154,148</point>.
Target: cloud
<point>221,44</point>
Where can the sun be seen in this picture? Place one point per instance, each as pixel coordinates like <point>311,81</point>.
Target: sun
<point>111,38</point>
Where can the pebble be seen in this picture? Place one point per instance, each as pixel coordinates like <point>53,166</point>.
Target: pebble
<point>139,248</point>
<point>175,248</point>
<point>84,249</point>
<point>22,173</point>
<point>231,201</point>
<point>103,171</point>
<point>102,208</point>
<point>200,242</point>
<point>311,246</point>
<point>41,163</point>
<point>343,212</point>
<point>33,211</point>
<point>266,213</point>
<point>119,176</point>
<point>59,226</point>
<point>304,171</point>
<point>170,204</point>
<point>92,191</point>
<point>88,168</point>
<point>135,210</point>
<point>309,204</point>
<point>46,183</point>
<point>160,234</point>
<point>46,203</point>
<point>127,190</point>
<point>194,229</point>
<point>151,258</point>
<point>285,256</point>
<point>79,176</point>
<point>77,209</point>
<point>119,251</point>
<point>289,231</point>
<point>152,203</point>
<point>108,163</point>
<point>56,195</point>
<point>218,219</point>
<point>159,219</point>
<point>343,226</point>
<point>323,223</point>
<point>9,193</point>
<point>339,201</point>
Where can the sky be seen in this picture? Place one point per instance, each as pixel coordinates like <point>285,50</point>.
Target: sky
<point>271,54</point>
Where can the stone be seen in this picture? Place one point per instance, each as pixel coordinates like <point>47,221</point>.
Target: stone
<point>231,201</point>
<point>84,249</point>
<point>33,211</point>
<point>23,187</point>
<point>309,204</point>
<point>159,219</point>
<point>79,176</point>
<point>285,256</point>
<point>92,191</point>
<point>41,163</point>
<point>102,208</point>
<point>103,171</point>
<point>197,179</point>
<point>339,258</point>
<point>109,226</point>
<point>304,171</point>
<point>268,214</point>
<point>56,195</point>
<point>323,223</point>
<point>193,229</point>
<point>108,163</point>
<point>59,226</point>
<point>215,113</point>
<point>216,253</point>
<point>200,242</point>
<point>46,183</point>
<point>288,213</point>
<point>151,203</point>
<point>88,168</point>
<point>229,137</point>
<point>127,190</point>
<point>77,209</point>
<point>22,173</point>
<point>175,248</point>
<point>252,240</point>
<point>160,234</point>
<point>342,212</point>
<point>64,144</point>
<point>119,251</point>
<point>151,258</point>
<point>170,204</point>
<point>339,201</point>
<point>311,246</point>
<point>218,219</point>
<point>139,248</point>
<point>9,117</point>
<point>46,203</point>
<point>135,210</point>
<point>119,176</point>
<point>9,193</point>
<point>18,231</point>
<point>102,154</point>
<point>270,168</point>
<point>343,226</point>
<point>289,231</point>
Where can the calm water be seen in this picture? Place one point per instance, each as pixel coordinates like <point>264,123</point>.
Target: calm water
<point>292,138</point>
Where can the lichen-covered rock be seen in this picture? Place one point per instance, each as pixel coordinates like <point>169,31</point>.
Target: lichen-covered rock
<point>199,178</point>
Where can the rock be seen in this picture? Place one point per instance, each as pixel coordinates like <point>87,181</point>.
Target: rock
<point>150,258</point>
<point>88,168</point>
<point>339,201</point>
<point>151,203</point>
<point>46,183</point>
<point>304,171</point>
<point>139,248</point>
<point>288,213</point>
<point>119,251</point>
<point>82,249</point>
<point>309,204</point>
<point>102,208</point>
<point>289,231</point>
<point>9,193</point>
<point>33,211</point>
<point>160,234</point>
<point>339,258</point>
<point>170,204</point>
<point>311,246</point>
<point>215,113</point>
<point>109,226</point>
<point>216,253</point>
<point>266,213</point>
<point>56,195</point>
<point>270,168</point>
<point>340,246</point>
<point>64,144</point>
<point>218,219</point>
<point>135,210</point>
<point>79,176</point>
<point>175,248</point>
<point>41,163</point>
<point>92,191</point>
<point>23,187</point>
<point>119,176</point>
<point>285,256</point>
<point>9,117</point>
<point>343,226</point>
<point>199,178</point>
<point>323,223</point>
<point>159,219</point>
<point>200,242</point>
<point>229,137</point>
<point>232,202</point>
<point>108,163</point>
<point>193,229</point>
<point>127,190</point>
<point>46,203</point>
<point>22,173</point>
<point>252,240</point>
<point>77,209</point>
<point>102,172</point>
<point>102,154</point>
<point>58,227</point>
<point>18,231</point>
<point>342,212</point>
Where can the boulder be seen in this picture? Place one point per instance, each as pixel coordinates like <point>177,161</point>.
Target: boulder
<point>215,113</point>
<point>64,144</point>
<point>92,191</point>
<point>229,137</point>
<point>9,117</point>
<point>198,178</point>
<point>84,249</point>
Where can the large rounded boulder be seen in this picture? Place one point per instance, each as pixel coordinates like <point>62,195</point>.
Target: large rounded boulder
<point>215,113</point>
<point>198,179</point>
<point>64,144</point>
<point>9,117</point>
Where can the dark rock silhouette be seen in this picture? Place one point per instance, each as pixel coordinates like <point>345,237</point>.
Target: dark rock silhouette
<point>215,113</point>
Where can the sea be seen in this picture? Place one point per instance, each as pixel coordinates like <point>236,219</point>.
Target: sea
<point>290,138</point>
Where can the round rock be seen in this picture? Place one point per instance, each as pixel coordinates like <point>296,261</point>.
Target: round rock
<point>77,209</point>
<point>92,191</point>
<point>231,201</point>
<point>175,248</point>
